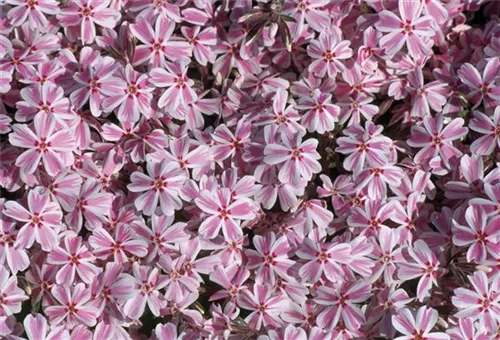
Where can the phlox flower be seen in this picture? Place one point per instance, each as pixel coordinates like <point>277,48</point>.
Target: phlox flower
<point>481,302</point>
<point>130,92</point>
<point>298,159</point>
<point>435,140</point>
<point>161,185</point>
<point>341,304</point>
<point>321,114</point>
<point>11,295</point>
<point>41,222</point>
<point>73,306</point>
<point>265,307</point>
<point>179,87</point>
<point>271,258</point>
<point>482,235</point>
<point>36,327</point>
<point>74,258</point>
<point>223,213</point>
<point>328,51</point>
<point>46,144</point>
<point>322,259</point>
<point>158,43</point>
<point>425,265</point>
<point>419,326</point>
<point>87,14</point>
<point>489,127</point>
<point>31,11</point>
<point>147,283</point>
<point>411,28</point>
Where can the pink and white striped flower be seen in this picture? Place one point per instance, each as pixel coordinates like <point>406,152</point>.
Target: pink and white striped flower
<point>31,11</point>
<point>419,326</point>
<point>481,235</point>
<point>297,159</point>
<point>328,52</point>
<point>179,87</point>
<point>87,14</point>
<point>47,145</point>
<point>162,184</point>
<point>411,28</point>
<point>75,258</point>
<point>73,308</point>
<point>341,304</point>
<point>158,43</point>
<point>223,212</point>
<point>11,296</point>
<point>264,306</point>
<point>41,223</point>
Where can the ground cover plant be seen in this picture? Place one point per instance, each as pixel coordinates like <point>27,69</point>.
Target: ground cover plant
<point>238,169</point>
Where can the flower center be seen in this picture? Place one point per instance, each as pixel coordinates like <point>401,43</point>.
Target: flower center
<point>328,55</point>
<point>157,47</point>
<point>296,153</point>
<point>407,28</point>
<point>72,308</point>
<point>31,4</point>
<point>481,237</point>
<point>132,89</point>
<point>86,12</point>
<point>159,184</point>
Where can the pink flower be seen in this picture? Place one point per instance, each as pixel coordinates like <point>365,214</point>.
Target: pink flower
<point>424,265</point>
<point>363,147</point>
<point>131,93</point>
<point>489,128</point>
<point>482,235</point>
<point>86,14</point>
<point>321,114</point>
<point>270,259</point>
<point>418,327</point>
<point>309,12</point>
<point>120,245</point>
<point>265,307</point>
<point>322,259</point>
<point>177,282</point>
<point>41,222</point>
<point>482,302</point>
<point>412,29</point>
<point>298,159</point>
<point>228,144</point>
<point>91,204</point>
<point>32,12</point>
<point>467,330</point>
<point>44,102</point>
<point>36,328</point>
<point>327,52</point>
<point>147,283</point>
<point>45,144</point>
<point>341,304</point>
<point>162,236</point>
<point>11,256</point>
<point>162,184</point>
<point>11,296</point>
<point>202,42</point>
<point>74,258</point>
<point>286,118</point>
<point>434,140</point>
<point>433,94</point>
<point>93,84</point>
<point>353,108</point>
<point>231,278</point>
<point>179,87</point>
<point>482,88</point>
<point>109,289</point>
<point>223,212</point>
<point>74,306</point>
<point>158,43</point>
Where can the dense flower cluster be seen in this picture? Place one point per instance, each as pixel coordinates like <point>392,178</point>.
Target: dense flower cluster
<point>238,169</point>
